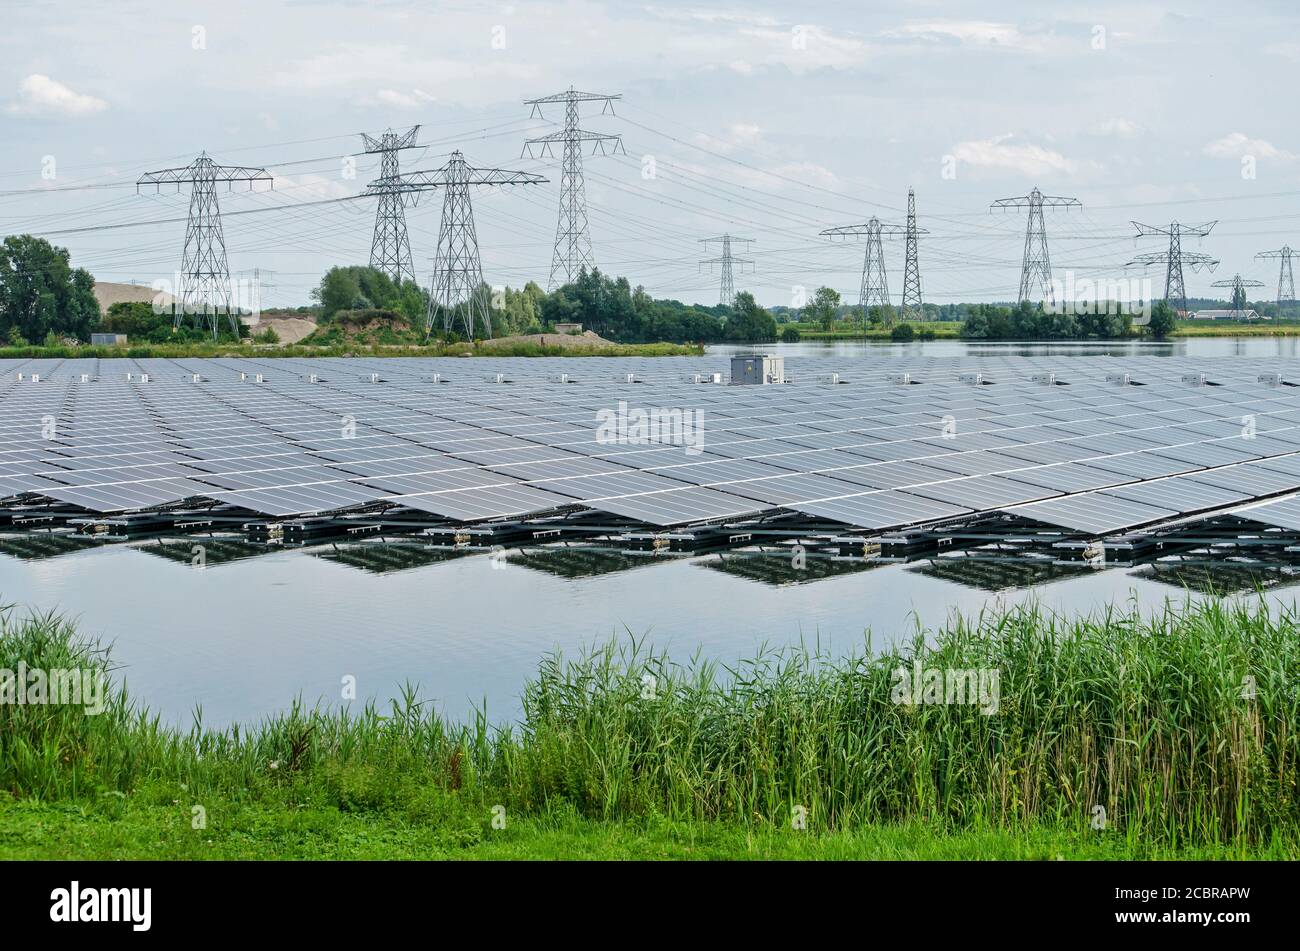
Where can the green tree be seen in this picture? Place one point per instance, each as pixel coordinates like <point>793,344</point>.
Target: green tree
<point>1162,322</point>
<point>822,308</point>
<point>749,321</point>
<point>42,294</point>
<point>358,287</point>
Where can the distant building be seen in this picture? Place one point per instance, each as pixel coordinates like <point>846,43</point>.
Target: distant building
<point>1227,315</point>
<point>108,340</point>
<point>568,328</point>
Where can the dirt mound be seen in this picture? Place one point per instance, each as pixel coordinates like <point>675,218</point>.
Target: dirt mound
<point>108,294</point>
<point>288,329</point>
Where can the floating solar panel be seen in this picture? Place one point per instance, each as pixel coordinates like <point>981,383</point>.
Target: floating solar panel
<point>1087,456</point>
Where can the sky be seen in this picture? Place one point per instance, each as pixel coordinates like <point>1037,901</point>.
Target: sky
<point>765,121</point>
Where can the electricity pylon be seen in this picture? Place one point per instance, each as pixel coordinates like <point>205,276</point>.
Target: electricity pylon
<point>911,309</point>
<point>1238,285</point>
<point>205,272</point>
<point>875,285</point>
<point>1175,258</point>
<point>259,279</point>
<point>727,289</point>
<point>1285,277</point>
<point>572,239</point>
<point>1036,267</point>
<point>457,270</point>
<point>390,249</point>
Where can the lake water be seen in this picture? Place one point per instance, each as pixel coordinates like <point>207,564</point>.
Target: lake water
<point>242,638</point>
<point>1184,347</point>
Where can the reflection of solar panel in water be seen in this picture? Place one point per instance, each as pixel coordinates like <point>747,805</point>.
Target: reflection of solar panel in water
<point>380,557</point>
<point>203,551</point>
<point>1220,577</point>
<point>997,572</point>
<point>578,561</point>
<point>38,545</point>
<point>779,568</point>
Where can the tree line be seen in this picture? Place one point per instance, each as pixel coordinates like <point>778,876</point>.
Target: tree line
<point>608,306</point>
<point>45,300</point>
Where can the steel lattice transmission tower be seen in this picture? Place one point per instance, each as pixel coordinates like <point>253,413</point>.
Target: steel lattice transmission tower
<point>727,288</point>
<point>390,249</point>
<point>1175,258</point>
<point>572,238</point>
<point>205,272</point>
<point>259,279</point>
<point>457,271</point>
<point>1285,277</point>
<point>875,284</point>
<point>1238,285</point>
<point>912,309</point>
<point>1036,266</point>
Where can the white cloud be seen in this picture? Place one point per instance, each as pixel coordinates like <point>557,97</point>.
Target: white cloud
<point>39,95</point>
<point>1238,144</point>
<point>981,33</point>
<point>712,16</point>
<point>1000,152</point>
<point>803,47</point>
<point>315,186</point>
<point>404,100</point>
<point>1116,127</point>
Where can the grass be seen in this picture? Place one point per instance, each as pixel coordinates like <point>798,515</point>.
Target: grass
<point>341,348</point>
<point>1220,328</point>
<point>1145,717</point>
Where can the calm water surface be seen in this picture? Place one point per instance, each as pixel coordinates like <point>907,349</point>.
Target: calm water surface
<point>243,638</point>
<point>1187,347</point>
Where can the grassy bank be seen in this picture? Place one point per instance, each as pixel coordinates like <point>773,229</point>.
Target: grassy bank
<point>1144,718</point>
<point>1222,328</point>
<point>175,351</point>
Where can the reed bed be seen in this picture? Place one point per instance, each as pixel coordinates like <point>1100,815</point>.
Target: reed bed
<point>1177,728</point>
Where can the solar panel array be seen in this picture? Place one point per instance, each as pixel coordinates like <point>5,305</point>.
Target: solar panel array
<point>502,437</point>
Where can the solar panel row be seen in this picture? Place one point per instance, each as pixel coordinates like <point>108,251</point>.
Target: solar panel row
<point>1088,456</point>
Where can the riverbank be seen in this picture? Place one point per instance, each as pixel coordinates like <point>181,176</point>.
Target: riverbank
<point>952,330</point>
<point>1219,328</point>
<point>1115,736</point>
<point>518,348</point>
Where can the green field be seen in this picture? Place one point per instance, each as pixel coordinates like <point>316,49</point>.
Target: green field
<point>1115,736</point>
<point>1221,328</point>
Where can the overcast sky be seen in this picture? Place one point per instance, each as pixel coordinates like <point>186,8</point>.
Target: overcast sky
<point>770,121</point>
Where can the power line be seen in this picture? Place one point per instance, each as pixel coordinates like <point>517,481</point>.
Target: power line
<point>727,286</point>
<point>1238,285</point>
<point>1175,258</point>
<point>390,249</point>
<point>458,273</point>
<point>572,239</point>
<point>1285,277</point>
<point>205,272</point>
<point>1036,266</point>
